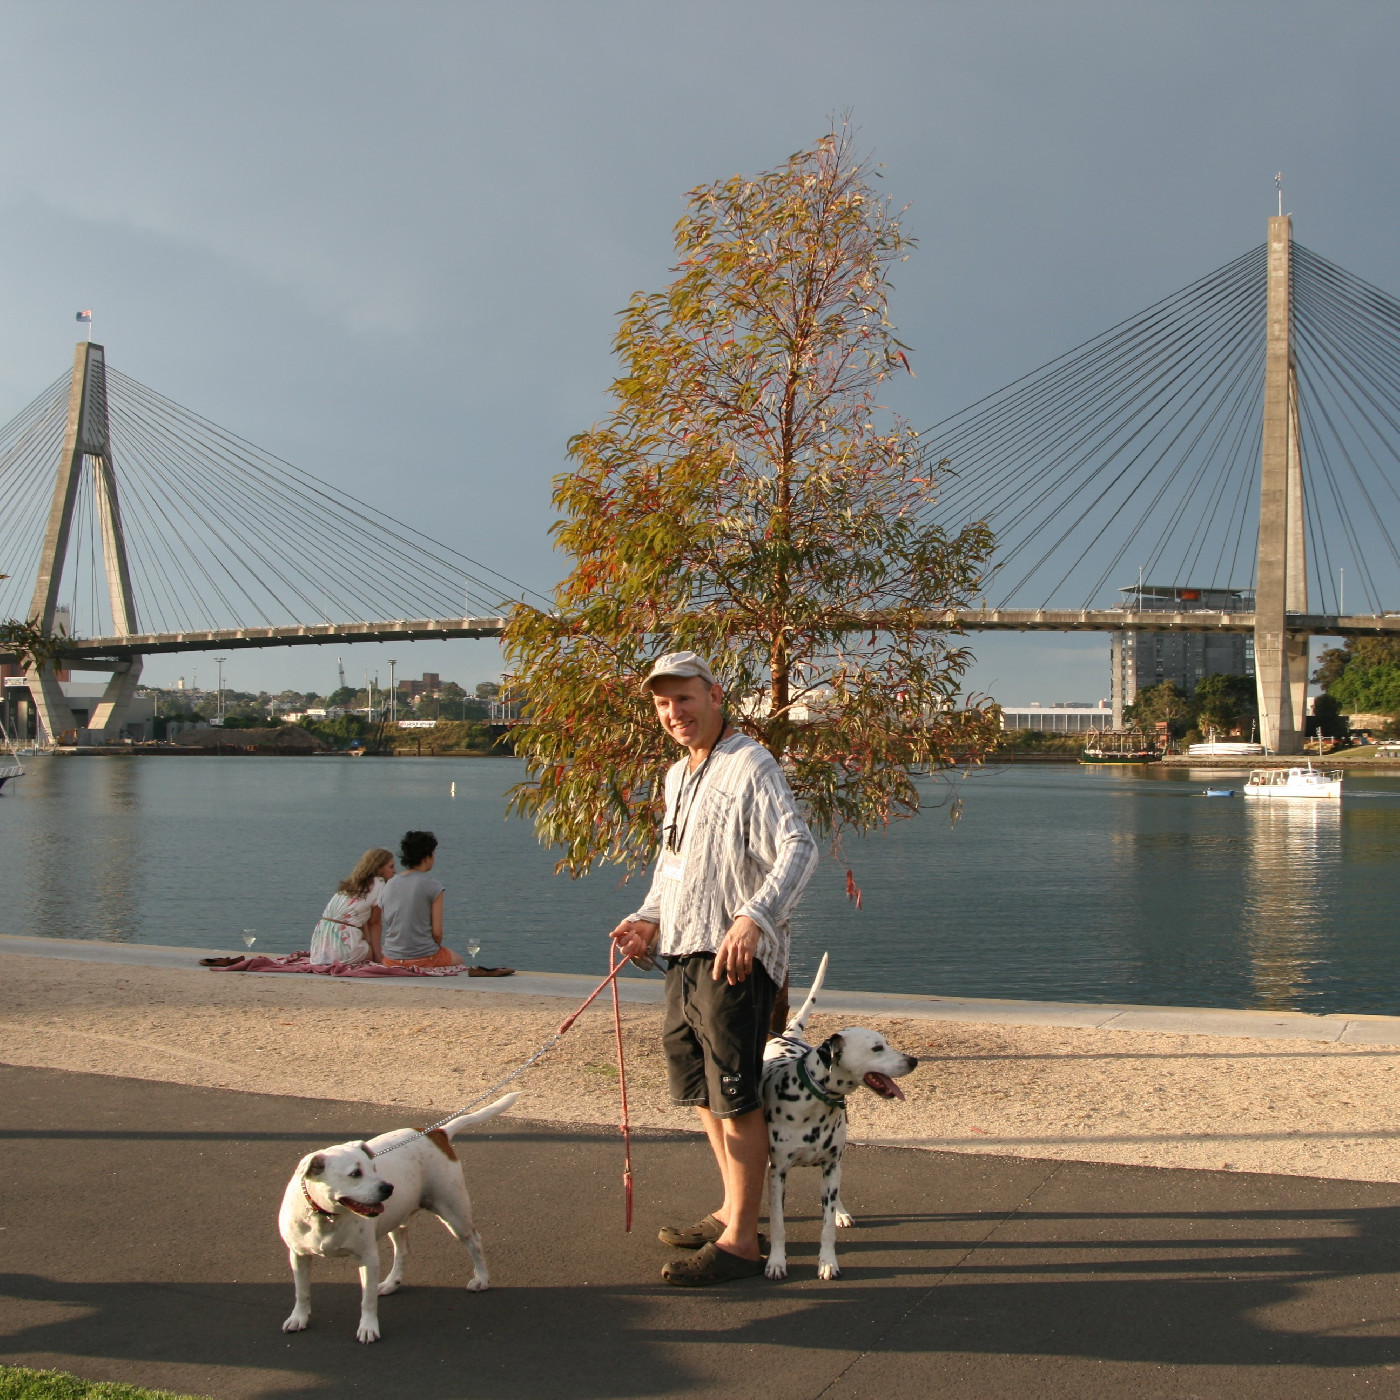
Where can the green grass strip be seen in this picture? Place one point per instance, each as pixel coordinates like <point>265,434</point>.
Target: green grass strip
<point>20,1383</point>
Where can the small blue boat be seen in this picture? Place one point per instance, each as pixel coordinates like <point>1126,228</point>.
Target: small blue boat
<point>1219,792</point>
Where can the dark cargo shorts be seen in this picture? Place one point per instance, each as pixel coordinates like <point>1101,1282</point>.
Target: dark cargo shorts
<point>715,1034</point>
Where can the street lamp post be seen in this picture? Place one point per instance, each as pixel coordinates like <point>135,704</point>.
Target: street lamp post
<point>393,695</point>
<point>219,704</point>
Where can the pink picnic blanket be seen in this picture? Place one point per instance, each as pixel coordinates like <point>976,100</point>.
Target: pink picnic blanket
<point>301,962</point>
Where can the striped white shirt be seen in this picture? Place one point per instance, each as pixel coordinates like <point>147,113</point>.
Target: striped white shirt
<point>744,849</point>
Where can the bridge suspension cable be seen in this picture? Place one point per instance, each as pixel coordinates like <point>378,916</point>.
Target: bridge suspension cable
<point>1140,447</point>
<point>1348,335</point>
<point>220,533</point>
<point>29,448</point>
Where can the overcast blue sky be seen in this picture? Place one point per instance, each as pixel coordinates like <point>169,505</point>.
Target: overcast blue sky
<point>388,242</point>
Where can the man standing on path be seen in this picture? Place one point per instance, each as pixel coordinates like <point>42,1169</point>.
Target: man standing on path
<point>735,857</point>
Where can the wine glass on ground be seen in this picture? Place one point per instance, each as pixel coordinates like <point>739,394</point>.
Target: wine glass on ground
<point>250,936</point>
<point>473,948</point>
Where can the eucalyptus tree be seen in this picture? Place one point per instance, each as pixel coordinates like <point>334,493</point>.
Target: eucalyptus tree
<point>748,498</point>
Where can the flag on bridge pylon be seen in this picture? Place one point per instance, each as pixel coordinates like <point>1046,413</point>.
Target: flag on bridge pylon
<point>85,317</point>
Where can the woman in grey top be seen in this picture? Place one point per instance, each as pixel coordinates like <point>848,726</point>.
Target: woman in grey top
<point>411,906</point>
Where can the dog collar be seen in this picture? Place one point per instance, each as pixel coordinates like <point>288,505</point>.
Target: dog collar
<point>320,1210</point>
<point>818,1090</point>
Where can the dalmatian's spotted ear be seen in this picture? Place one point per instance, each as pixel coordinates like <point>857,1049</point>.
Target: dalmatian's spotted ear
<point>830,1049</point>
<point>315,1166</point>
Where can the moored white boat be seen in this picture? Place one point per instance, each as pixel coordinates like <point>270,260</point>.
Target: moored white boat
<point>1305,783</point>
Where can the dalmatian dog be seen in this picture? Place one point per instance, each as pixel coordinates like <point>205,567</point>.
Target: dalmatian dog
<point>804,1101</point>
<point>345,1199</point>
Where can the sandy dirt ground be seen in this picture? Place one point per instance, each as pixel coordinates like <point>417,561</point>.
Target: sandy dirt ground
<point>1297,1107</point>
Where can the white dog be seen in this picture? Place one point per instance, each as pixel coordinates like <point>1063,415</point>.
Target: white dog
<point>804,1100</point>
<point>343,1200</point>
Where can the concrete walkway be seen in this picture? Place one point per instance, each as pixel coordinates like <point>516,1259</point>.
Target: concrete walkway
<point>140,1244</point>
<point>1177,1020</point>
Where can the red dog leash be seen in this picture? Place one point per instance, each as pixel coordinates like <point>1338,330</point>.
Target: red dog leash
<point>564,1026</point>
<point>625,1127</point>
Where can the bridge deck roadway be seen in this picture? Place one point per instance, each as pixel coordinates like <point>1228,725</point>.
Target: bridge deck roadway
<point>965,619</point>
<point>316,634</point>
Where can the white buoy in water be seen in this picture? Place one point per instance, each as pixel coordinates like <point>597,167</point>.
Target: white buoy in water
<point>454,789</point>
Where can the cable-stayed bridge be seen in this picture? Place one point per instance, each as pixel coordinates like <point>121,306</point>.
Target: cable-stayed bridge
<point>1240,437</point>
<point>162,532</point>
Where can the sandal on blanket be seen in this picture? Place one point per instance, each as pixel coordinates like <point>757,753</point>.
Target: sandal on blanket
<point>708,1265</point>
<point>476,971</point>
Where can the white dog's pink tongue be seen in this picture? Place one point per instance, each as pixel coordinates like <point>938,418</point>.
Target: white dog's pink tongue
<point>884,1085</point>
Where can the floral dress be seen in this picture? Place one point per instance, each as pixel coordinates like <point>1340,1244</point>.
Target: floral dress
<point>340,935</point>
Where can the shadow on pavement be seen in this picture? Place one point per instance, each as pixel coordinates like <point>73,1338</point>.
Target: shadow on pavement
<point>154,1258</point>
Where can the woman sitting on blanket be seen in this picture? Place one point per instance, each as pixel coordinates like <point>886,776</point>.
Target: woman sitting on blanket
<point>349,929</point>
<point>413,909</point>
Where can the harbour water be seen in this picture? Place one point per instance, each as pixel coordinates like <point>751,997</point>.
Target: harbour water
<point>1059,882</point>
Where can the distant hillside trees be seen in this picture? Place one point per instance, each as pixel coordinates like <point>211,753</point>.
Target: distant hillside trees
<point>1159,704</point>
<point>1362,676</point>
<point>340,732</point>
<point>1223,703</point>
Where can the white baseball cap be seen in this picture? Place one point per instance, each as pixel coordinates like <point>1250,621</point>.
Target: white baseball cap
<point>682,665</point>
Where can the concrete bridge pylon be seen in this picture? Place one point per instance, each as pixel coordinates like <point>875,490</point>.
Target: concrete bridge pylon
<point>86,442</point>
<point>1280,658</point>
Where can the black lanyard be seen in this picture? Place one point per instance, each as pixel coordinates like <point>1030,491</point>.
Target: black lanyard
<point>675,831</point>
